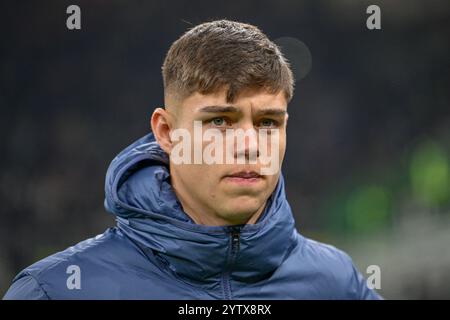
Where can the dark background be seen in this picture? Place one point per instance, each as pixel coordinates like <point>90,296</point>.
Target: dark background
<point>367,164</point>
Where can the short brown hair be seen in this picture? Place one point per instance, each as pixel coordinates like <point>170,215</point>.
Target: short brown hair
<point>229,54</point>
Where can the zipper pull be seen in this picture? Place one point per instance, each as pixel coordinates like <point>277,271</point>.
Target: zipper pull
<point>235,239</point>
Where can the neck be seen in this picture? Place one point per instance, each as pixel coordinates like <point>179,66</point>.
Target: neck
<point>213,219</point>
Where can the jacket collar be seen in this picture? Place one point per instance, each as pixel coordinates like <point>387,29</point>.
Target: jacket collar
<point>139,193</point>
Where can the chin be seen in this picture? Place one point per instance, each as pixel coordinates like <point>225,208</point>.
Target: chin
<point>242,208</point>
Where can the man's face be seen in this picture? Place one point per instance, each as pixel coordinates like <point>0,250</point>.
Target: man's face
<point>229,193</point>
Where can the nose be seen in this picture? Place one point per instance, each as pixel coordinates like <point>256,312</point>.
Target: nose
<point>246,144</point>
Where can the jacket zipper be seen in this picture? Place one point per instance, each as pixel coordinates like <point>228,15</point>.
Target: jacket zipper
<point>234,249</point>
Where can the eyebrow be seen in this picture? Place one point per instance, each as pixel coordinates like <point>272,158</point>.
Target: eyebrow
<point>231,109</point>
<point>271,112</point>
<point>219,109</point>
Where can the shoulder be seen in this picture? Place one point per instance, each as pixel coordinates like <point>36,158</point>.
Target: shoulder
<point>326,255</point>
<point>56,275</point>
<point>331,270</point>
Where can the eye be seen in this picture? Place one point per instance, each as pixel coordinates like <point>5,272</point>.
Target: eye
<point>219,122</point>
<point>268,123</point>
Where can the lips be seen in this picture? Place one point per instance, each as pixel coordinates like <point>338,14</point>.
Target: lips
<point>245,175</point>
<point>244,179</point>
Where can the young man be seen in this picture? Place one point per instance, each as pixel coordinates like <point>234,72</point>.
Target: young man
<point>198,216</point>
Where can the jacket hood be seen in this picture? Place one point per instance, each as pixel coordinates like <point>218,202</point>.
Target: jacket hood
<point>139,194</point>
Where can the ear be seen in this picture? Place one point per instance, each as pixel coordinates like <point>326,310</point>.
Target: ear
<point>161,123</point>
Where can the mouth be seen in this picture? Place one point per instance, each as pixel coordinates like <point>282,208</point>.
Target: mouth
<point>244,178</point>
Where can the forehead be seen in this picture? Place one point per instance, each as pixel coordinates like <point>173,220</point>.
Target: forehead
<point>247,101</point>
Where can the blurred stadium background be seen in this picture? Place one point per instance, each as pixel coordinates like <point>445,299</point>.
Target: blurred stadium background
<point>368,160</point>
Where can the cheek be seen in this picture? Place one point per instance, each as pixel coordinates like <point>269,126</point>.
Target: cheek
<point>204,176</point>
<point>282,150</point>
<point>282,145</point>
<point>193,176</point>
<point>272,180</point>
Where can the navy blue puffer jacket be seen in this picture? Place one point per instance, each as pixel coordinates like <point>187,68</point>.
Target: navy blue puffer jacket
<point>157,252</point>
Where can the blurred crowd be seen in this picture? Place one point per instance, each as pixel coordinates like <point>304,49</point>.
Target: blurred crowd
<point>367,165</point>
